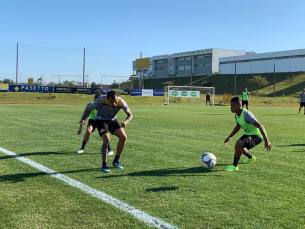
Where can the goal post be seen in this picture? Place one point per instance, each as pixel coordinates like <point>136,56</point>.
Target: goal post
<point>191,94</point>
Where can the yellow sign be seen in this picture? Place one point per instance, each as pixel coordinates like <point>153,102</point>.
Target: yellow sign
<point>142,63</point>
<point>30,81</point>
<point>3,86</point>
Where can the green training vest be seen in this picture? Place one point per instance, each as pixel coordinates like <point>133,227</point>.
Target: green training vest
<point>248,127</point>
<point>92,113</point>
<point>245,96</point>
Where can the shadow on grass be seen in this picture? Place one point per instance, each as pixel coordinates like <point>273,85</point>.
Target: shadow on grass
<point>196,171</point>
<point>161,189</point>
<point>21,177</point>
<point>291,145</point>
<point>30,154</point>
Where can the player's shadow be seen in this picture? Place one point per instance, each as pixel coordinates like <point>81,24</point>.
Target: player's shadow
<point>30,154</point>
<point>161,189</point>
<point>297,145</point>
<point>291,145</point>
<point>196,171</point>
<point>22,177</point>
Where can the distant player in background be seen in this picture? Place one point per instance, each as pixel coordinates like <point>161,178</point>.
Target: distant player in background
<point>108,106</point>
<point>254,134</point>
<point>90,128</point>
<point>208,99</point>
<point>245,98</point>
<point>302,101</point>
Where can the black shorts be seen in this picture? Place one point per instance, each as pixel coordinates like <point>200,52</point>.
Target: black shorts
<point>92,123</point>
<point>302,104</point>
<point>104,126</point>
<point>244,102</point>
<point>207,100</point>
<point>250,140</point>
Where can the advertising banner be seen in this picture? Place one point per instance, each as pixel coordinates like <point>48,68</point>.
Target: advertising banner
<point>81,90</point>
<point>62,90</point>
<point>158,92</point>
<point>147,92</point>
<point>174,93</point>
<point>3,87</point>
<point>27,88</point>
<point>136,92</point>
<point>102,91</point>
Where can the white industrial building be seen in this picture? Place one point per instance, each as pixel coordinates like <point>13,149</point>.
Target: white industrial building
<point>195,63</point>
<point>282,61</point>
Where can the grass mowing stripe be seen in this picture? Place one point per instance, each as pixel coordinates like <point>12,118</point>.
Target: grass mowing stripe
<point>152,221</point>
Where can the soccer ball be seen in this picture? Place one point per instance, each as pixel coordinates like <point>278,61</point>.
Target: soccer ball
<point>208,160</point>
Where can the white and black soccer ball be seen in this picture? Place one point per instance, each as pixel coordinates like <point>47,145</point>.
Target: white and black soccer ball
<point>208,160</point>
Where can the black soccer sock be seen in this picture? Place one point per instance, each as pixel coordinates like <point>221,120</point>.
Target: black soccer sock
<point>116,159</point>
<point>248,155</point>
<point>84,144</point>
<point>235,162</point>
<point>104,164</point>
<point>109,147</point>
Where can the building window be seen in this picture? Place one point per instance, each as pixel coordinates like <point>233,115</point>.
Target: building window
<point>199,57</point>
<point>188,58</point>
<point>181,68</point>
<point>181,59</point>
<point>187,67</point>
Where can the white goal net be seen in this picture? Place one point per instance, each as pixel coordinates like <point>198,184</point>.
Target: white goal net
<point>188,94</point>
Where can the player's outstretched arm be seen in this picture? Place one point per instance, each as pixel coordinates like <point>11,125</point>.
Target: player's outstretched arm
<point>261,128</point>
<point>235,130</point>
<point>86,113</point>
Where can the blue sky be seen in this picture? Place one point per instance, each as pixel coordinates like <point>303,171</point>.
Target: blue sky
<point>53,34</point>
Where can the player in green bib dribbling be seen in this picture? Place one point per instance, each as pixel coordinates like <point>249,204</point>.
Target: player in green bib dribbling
<point>254,134</point>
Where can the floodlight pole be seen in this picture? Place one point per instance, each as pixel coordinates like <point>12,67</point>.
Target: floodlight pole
<point>141,70</point>
<point>274,82</point>
<point>235,79</point>
<point>84,67</point>
<point>17,66</point>
<point>191,73</point>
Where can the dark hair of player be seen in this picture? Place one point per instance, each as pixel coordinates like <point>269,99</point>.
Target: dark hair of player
<point>236,100</point>
<point>112,94</point>
<point>96,96</point>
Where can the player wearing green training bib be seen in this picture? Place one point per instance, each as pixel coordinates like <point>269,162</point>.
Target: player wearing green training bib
<point>90,128</point>
<point>254,134</point>
<point>245,98</point>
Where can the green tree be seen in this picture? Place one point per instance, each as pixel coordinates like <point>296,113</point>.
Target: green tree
<point>258,81</point>
<point>8,81</point>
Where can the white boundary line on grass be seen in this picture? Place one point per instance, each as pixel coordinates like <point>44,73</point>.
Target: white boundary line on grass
<point>148,219</point>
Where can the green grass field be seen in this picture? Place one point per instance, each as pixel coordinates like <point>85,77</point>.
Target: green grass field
<point>162,174</point>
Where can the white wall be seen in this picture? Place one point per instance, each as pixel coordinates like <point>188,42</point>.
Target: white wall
<point>264,66</point>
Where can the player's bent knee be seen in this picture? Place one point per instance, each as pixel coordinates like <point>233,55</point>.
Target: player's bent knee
<point>239,144</point>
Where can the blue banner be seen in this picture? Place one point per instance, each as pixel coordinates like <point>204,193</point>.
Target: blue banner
<point>136,92</point>
<point>30,88</point>
<point>158,92</point>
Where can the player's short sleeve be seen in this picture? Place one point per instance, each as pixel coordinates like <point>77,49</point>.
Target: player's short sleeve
<point>125,106</point>
<point>249,117</point>
<point>97,102</point>
<point>87,107</point>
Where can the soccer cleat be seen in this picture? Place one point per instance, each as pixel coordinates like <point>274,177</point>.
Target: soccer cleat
<point>117,165</point>
<point>106,170</point>
<point>110,153</point>
<point>232,168</point>
<point>80,151</point>
<point>248,160</point>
